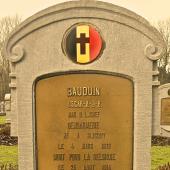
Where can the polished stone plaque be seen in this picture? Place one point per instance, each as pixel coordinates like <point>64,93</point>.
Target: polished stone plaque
<point>165,111</point>
<point>84,122</point>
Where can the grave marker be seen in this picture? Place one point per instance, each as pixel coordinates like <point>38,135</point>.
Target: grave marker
<point>163,116</point>
<point>82,79</point>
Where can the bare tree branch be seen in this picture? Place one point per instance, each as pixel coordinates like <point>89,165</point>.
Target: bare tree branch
<point>7,25</point>
<point>164,63</point>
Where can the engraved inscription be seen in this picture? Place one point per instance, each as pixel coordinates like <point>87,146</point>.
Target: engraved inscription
<point>84,122</point>
<point>83,125</point>
<point>83,91</point>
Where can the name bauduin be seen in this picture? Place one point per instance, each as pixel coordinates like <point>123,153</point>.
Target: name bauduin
<point>83,91</point>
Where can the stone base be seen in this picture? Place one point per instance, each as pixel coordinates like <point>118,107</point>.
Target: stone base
<point>165,131</point>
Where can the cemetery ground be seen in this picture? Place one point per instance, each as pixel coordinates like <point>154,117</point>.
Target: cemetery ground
<point>9,152</point>
<point>8,148</point>
<point>160,156</point>
<point>2,120</point>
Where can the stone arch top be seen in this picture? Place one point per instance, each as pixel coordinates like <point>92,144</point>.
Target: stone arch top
<point>85,9</point>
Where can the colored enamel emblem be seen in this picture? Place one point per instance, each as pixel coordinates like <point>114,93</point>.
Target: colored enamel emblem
<point>83,43</point>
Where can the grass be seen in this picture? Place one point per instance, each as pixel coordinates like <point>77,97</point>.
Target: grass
<point>2,119</point>
<point>160,156</point>
<point>9,154</point>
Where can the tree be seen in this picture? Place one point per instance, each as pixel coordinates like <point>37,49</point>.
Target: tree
<point>7,25</point>
<point>164,62</point>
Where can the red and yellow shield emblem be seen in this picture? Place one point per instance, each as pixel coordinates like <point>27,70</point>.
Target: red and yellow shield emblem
<point>83,43</point>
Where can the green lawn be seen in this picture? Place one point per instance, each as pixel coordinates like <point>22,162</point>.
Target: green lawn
<point>160,156</point>
<point>2,119</point>
<point>8,154</point>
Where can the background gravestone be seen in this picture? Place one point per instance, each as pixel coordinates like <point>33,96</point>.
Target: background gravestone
<point>2,108</point>
<point>124,75</point>
<point>8,107</point>
<point>164,110</point>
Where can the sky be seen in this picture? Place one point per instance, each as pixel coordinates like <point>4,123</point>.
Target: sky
<point>152,10</point>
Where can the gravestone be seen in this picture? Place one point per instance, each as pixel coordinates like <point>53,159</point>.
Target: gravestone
<point>8,107</point>
<point>2,108</point>
<point>164,110</point>
<point>83,81</point>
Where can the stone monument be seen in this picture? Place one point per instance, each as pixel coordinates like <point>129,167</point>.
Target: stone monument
<point>83,83</point>
<point>8,107</point>
<point>164,110</point>
<point>2,108</point>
